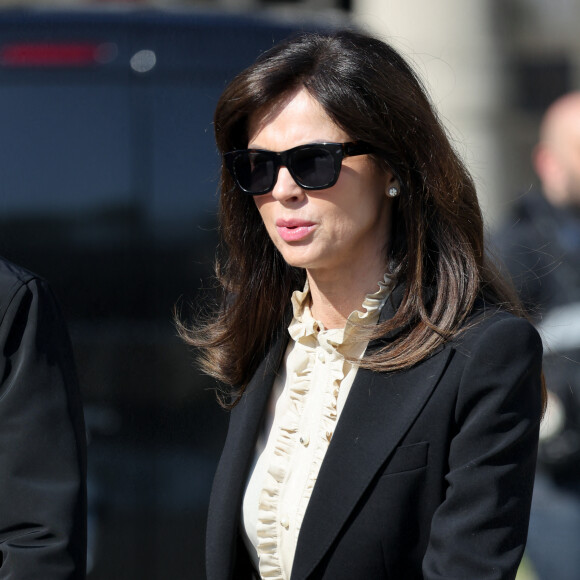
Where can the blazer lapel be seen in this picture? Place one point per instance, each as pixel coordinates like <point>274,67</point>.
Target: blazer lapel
<point>380,409</point>
<point>232,471</point>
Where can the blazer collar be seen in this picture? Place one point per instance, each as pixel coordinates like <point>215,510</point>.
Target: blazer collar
<point>396,298</point>
<point>246,419</point>
<point>393,302</point>
<point>248,415</point>
<point>380,409</point>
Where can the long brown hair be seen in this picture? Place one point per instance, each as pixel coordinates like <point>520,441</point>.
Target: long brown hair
<point>437,245</point>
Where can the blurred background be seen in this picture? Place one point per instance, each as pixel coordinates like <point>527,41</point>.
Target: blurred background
<point>108,178</point>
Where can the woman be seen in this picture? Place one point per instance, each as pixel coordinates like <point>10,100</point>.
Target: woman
<point>385,395</point>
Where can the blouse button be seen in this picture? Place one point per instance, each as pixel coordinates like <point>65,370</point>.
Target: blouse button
<point>285,522</point>
<point>305,439</point>
<point>321,356</point>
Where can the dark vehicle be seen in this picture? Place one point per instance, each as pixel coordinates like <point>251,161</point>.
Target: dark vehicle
<point>108,178</point>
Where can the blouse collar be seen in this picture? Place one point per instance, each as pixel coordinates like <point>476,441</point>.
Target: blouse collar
<point>304,324</point>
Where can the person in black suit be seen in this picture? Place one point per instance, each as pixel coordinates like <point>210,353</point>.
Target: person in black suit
<point>42,437</point>
<point>385,391</point>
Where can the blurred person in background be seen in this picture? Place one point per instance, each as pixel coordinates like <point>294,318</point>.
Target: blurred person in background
<point>540,244</point>
<point>385,394</point>
<point>42,436</point>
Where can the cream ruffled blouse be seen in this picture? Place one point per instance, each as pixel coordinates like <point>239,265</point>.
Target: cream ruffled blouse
<point>307,399</point>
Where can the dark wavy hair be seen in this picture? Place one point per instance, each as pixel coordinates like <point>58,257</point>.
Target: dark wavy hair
<point>436,249</point>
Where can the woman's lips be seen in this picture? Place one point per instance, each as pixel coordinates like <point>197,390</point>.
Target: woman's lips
<point>294,230</point>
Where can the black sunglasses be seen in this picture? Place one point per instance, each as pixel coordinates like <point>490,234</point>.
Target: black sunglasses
<point>312,166</point>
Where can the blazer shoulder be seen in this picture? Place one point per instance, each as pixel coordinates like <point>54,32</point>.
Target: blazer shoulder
<point>12,279</point>
<point>497,327</point>
<point>15,280</point>
<point>11,273</point>
<point>499,352</point>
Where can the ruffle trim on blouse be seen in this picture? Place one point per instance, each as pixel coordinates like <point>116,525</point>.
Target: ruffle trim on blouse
<point>304,324</point>
<point>267,526</point>
<point>327,425</point>
<point>308,334</point>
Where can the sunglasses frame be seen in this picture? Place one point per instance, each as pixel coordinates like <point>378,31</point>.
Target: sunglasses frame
<point>338,151</point>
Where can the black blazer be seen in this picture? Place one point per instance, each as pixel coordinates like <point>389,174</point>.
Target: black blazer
<point>42,437</point>
<point>429,472</point>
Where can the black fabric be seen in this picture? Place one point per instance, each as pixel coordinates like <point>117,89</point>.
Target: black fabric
<point>42,437</point>
<point>428,475</point>
<point>540,244</point>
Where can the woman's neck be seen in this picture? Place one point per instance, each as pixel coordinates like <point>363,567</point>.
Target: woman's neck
<point>334,296</point>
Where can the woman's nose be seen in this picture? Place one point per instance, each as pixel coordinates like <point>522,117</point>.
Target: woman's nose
<point>285,188</point>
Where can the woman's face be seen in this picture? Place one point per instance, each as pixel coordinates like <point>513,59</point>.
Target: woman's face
<point>327,230</point>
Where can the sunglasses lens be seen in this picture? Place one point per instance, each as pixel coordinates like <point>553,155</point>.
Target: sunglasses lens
<point>313,167</point>
<point>254,171</point>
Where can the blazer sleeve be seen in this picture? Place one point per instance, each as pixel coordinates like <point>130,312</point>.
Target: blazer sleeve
<point>479,530</point>
<point>42,441</point>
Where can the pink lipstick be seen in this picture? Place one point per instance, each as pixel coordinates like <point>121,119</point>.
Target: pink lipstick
<point>294,230</point>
